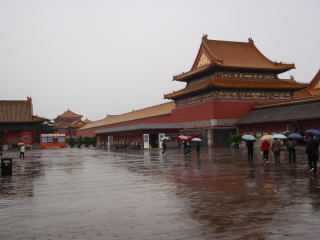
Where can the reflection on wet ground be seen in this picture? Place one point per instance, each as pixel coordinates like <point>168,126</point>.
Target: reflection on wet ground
<point>93,194</point>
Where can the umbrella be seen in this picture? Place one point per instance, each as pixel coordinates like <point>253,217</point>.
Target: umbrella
<point>279,136</point>
<point>165,139</point>
<point>266,137</point>
<point>313,131</point>
<point>183,137</point>
<point>248,137</point>
<point>20,143</point>
<point>196,139</point>
<point>295,135</point>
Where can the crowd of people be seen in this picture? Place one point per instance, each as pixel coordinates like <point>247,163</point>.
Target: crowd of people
<point>276,146</point>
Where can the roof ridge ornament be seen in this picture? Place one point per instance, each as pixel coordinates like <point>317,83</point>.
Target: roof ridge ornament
<point>250,40</point>
<point>205,36</point>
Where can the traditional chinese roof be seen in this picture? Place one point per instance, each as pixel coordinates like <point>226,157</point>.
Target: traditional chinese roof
<point>15,111</point>
<point>231,55</point>
<point>297,109</point>
<point>157,110</point>
<point>77,124</point>
<point>315,82</point>
<point>87,121</point>
<point>312,89</point>
<point>247,83</point>
<point>69,114</point>
<point>307,92</point>
<point>141,127</point>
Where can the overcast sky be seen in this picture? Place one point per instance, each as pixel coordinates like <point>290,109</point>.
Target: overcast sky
<point>101,57</point>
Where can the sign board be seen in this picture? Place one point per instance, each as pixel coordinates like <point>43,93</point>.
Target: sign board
<point>146,141</point>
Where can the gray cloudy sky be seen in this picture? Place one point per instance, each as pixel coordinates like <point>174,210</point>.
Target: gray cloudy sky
<point>101,57</point>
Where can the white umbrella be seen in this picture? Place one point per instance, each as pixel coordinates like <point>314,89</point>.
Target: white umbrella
<point>196,139</point>
<point>248,137</point>
<point>279,136</point>
<point>165,139</point>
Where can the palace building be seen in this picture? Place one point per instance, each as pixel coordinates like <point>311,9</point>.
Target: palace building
<point>17,122</point>
<point>296,115</point>
<point>226,80</point>
<point>68,122</point>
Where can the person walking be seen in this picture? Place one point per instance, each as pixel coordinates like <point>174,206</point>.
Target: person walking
<point>250,146</point>
<point>188,147</point>
<point>22,150</point>
<point>164,146</point>
<point>265,147</point>
<point>312,153</point>
<point>291,145</point>
<point>198,146</point>
<point>185,147</point>
<point>276,148</point>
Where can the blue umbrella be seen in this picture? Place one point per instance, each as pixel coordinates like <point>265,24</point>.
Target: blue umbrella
<point>313,131</point>
<point>248,137</point>
<point>295,135</point>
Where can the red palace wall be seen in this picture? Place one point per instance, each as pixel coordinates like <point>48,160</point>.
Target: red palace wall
<point>263,128</point>
<point>216,109</point>
<point>301,125</point>
<point>15,137</point>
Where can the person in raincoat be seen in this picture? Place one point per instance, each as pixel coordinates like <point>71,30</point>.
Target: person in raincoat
<point>265,147</point>
<point>276,148</point>
<point>312,153</point>
<point>250,146</point>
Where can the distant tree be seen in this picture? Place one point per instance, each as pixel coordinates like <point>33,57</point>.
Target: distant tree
<point>80,141</point>
<point>71,141</point>
<point>87,141</point>
<point>235,140</point>
<point>46,126</point>
<point>94,141</point>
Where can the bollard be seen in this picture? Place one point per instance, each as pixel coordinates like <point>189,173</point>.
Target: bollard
<point>6,166</point>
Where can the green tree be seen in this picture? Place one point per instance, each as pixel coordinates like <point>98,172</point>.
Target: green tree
<point>47,126</point>
<point>87,141</point>
<point>94,141</point>
<point>71,141</point>
<point>79,141</point>
<point>235,140</point>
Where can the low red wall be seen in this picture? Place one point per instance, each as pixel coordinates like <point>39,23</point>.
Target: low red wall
<point>216,109</point>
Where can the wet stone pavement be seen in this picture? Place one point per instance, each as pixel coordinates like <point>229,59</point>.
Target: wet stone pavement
<point>94,194</point>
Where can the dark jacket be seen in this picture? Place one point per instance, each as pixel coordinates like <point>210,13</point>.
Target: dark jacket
<point>312,148</point>
<point>250,144</point>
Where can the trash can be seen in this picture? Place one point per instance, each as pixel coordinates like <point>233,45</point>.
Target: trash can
<point>6,166</point>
